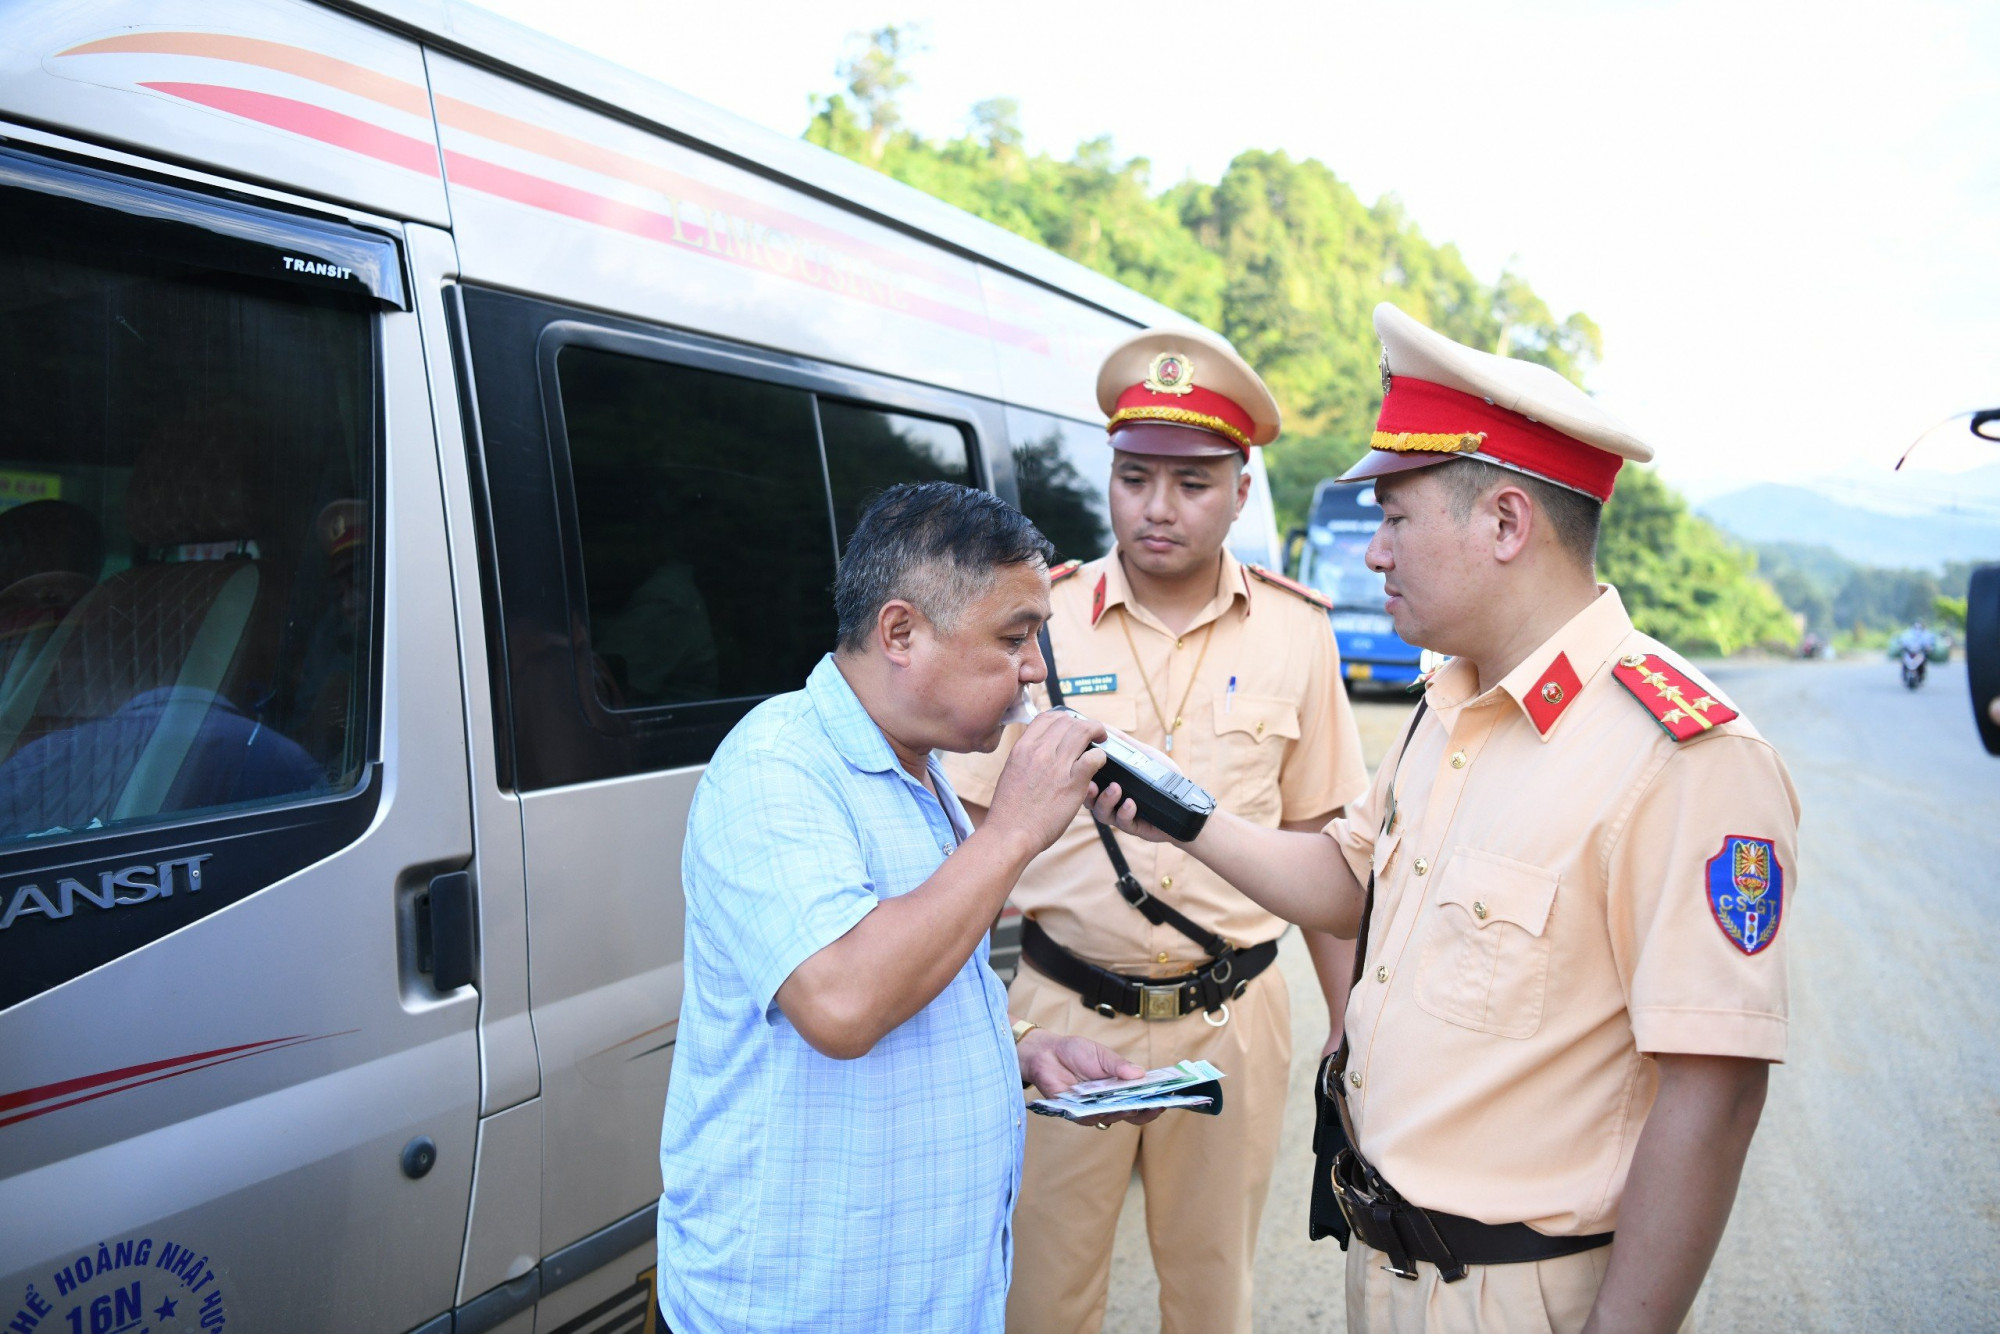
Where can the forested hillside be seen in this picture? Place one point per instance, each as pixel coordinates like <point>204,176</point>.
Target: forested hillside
<point>1842,599</point>
<point>1288,262</point>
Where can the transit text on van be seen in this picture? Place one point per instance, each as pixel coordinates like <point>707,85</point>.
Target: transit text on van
<point>125,887</point>
<point>317,268</point>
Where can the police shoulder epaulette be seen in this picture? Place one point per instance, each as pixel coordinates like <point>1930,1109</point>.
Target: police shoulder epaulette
<point>1312,595</point>
<point>1677,702</point>
<point>1064,571</point>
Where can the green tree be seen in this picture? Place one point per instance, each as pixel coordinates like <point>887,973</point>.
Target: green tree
<point>1682,580</point>
<point>1288,262</point>
<point>875,75</point>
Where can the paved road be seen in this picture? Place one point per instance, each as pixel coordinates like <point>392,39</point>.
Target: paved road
<point>1871,1200</point>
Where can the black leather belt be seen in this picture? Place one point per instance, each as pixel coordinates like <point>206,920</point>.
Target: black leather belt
<point>1208,987</point>
<point>1405,1233</point>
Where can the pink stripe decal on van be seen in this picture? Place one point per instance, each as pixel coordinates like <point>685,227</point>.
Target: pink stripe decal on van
<point>501,128</point>
<point>297,60</point>
<point>313,122</point>
<point>734,240</point>
<point>564,148</point>
<point>173,1067</point>
<point>800,252</point>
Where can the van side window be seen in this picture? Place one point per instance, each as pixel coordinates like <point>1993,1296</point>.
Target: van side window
<point>701,508</point>
<point>658,528</point>
<point>187,586</point>
<point>1063,470</point>
<point>869,450</point>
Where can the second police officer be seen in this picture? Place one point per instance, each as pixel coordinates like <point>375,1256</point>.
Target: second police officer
<point>1233,672</point>
<point>1569,878</point>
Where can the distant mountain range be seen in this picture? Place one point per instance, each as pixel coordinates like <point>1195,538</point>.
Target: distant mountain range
<point>1912,520</point>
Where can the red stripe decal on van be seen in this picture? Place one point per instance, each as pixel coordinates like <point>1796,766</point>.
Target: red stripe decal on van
<point>296,60</point>
<point>777,247</point>
<point>42,1093</point>
<point>303,118</point>
<point>776,253</point>
<point>564,148</point>
<point>200,1060</point>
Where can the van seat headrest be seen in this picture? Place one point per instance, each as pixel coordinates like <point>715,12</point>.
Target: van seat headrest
<point>197,485</point>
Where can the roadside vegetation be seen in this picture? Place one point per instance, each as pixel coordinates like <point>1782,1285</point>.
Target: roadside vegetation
<point>1288,262</point>
<point>1862,606</point>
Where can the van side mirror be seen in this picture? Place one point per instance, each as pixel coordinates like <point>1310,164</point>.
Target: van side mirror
<point>1295,545</point>
<point>1982,652</point>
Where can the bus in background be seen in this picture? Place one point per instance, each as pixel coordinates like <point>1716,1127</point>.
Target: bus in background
<point>1332,557</point>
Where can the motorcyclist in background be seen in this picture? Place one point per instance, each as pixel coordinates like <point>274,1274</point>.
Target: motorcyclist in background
<point>1913,649</point>
<point>1918,636</point>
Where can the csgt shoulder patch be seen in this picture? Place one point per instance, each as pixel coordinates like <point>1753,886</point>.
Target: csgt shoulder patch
<point>1746,891</point>
<point>1293,586</point>
<point>1064,571</point>
<point>1679,705</point>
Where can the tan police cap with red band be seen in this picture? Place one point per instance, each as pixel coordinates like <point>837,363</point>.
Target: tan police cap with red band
<point>1184,393</point>
<point>1442,400</point>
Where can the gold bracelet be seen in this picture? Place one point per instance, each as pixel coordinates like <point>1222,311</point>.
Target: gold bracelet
<point>1022,1028</point>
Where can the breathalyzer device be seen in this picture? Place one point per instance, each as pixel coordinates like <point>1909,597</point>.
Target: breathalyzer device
<point>1171,802</point>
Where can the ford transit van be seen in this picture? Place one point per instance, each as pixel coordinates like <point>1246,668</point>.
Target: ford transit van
<point>419,445</point>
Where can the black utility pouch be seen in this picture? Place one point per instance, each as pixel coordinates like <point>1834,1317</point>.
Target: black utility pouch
<point>1324,1218</point>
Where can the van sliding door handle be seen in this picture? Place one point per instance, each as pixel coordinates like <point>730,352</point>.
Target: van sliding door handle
<point>444,931</point>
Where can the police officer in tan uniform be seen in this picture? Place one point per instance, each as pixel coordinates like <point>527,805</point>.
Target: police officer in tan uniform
<point>1571,880</point>
<point>1233,672</point>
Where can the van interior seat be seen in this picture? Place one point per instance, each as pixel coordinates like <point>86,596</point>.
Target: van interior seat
<point>50,554</point>
<point>117,697</point>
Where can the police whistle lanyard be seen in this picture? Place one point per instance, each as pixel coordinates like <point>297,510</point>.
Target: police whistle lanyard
<point>1171,724</point>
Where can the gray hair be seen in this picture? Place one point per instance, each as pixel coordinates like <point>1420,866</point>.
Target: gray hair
<point>934,545</point>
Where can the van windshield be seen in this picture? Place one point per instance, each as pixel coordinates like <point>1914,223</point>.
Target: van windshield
<point>186,533</point>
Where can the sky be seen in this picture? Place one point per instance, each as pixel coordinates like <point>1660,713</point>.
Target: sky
<point>1784,217</point>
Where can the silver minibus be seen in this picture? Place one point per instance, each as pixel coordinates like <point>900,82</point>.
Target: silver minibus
<point>419,445</point>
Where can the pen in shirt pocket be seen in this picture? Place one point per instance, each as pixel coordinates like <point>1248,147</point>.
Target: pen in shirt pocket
<point>1229,696</point>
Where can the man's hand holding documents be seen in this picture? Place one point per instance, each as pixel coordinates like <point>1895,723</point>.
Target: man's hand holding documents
<point>1194,1085</point>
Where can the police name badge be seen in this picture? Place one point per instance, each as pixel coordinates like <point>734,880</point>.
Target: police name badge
<point>1104,683</point>
<point>1746,891</point>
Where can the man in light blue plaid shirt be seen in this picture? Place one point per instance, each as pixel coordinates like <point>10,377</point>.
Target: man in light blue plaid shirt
<point>843,1131</point>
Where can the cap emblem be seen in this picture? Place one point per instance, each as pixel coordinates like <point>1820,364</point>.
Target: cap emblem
<point>1386,377</point>
<point>1171,373</point>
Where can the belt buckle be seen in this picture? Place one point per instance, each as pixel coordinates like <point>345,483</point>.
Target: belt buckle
<point>1159,1003</point>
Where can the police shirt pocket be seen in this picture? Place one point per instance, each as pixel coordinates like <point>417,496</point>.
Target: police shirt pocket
<point>1250,736</point>
<point>1485,959</point>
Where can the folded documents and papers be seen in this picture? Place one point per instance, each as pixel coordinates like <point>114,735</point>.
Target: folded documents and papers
<point>1194,1085</point>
